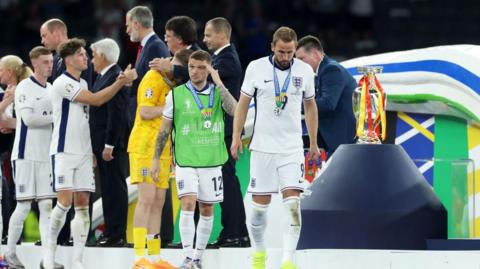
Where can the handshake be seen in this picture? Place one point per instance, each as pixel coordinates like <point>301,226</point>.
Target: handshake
<point>128,75</point>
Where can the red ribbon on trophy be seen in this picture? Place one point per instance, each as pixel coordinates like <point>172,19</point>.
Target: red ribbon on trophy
<point>371,109</point>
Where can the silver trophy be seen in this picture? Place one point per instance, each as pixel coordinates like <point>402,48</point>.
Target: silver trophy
<point>369,110</point>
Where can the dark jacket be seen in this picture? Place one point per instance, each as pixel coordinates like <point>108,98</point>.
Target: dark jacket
<point>229,68</point>
<point>333,94</point>
<point>108,122</point>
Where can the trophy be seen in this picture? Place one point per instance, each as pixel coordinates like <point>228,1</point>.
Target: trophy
<point>369,102</point>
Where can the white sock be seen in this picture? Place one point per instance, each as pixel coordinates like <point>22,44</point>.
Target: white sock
<point>45,208</point>
<point>80,225</point>
<point>291,208</point>
<point>204,229</point>
<point>257,225</point>
<point>57,220</point>
<point>15,226</point>
<point>187,232</point>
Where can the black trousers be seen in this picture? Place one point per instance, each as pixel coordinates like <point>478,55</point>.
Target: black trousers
<point>233,209</point>
<point>114,191</point>
<point>113,187</point>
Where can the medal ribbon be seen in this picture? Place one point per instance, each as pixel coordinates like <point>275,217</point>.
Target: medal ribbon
<point>206,112</point>
<point>281,95</point>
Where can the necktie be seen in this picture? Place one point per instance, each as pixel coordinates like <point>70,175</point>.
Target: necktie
<point>214,60</point>
<point>139,52</point>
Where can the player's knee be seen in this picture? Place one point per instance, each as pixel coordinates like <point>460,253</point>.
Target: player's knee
<point>160,198</point>
<point>259,213</point>
<point>45,206</point>
<point>188,203</point>
<point>23,208</point>
<point>206,210</point>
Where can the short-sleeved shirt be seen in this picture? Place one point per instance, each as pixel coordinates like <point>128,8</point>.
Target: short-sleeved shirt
<point>71,131</point>
<point>272,133</point>
<point>152,91</point>
<point>168,111</point>
<point>32,142</point>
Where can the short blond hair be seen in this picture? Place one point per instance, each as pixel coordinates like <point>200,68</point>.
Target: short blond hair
<point>286,34</point>
<point>39,51</point>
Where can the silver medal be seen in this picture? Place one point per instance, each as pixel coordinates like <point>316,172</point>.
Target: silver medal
<point>277,111</point>
<point>207,124</point>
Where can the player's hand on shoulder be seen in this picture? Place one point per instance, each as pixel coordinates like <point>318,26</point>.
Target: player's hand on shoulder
<point>161,64</point>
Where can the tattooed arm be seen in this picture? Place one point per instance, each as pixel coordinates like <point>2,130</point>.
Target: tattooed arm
<point>162,138</point>
<point>228,101</point>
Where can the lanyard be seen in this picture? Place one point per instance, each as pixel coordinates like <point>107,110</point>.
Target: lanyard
<point>206,112</point>
<point>281,95</point>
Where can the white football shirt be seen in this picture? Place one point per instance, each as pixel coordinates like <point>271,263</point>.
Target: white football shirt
<point>71,131</point>
<point>32,140</point>
<point>272,133</point>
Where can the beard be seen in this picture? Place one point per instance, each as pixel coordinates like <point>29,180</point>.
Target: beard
<point>134,36</point>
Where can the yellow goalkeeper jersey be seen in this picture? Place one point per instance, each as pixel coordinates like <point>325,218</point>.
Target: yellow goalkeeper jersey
<point>152,91</point>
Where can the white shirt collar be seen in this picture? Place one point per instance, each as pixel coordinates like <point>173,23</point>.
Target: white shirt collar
<point>104,70</point>
<point>220,49</point>
<point>146,38</point>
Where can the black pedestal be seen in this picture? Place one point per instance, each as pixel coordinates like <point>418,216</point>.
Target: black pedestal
<point>371,197</point>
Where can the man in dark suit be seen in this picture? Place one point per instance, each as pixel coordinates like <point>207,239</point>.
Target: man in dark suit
<point>139,23</point>
<point>180,33</point>
<point>333,93</point>
<point>225,60</point>
<point>108,124</point>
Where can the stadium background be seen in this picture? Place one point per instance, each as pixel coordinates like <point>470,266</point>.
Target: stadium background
<point>348,28</point>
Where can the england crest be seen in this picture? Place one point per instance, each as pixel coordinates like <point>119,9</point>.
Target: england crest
<point>149,93</point>
<point>181,184</point>
<point>297,82</point>
<point>253,182</point>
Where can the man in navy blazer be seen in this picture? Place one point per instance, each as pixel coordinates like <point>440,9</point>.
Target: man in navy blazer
<point>333,93</point>
<point>225,59</point>
<point>108,125</point>
<point>139,23</point>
